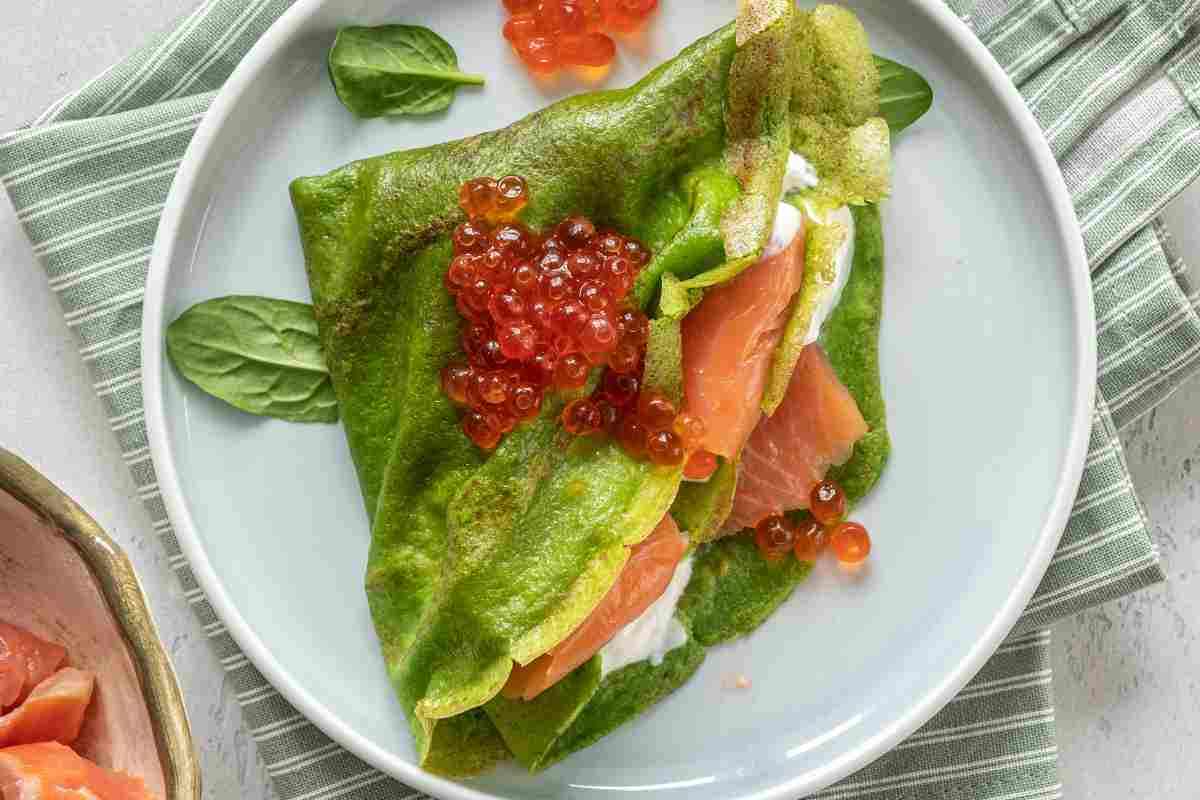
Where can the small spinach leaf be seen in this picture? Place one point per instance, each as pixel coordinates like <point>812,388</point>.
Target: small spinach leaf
<point>904,96</point>
<point>395,69</point>
<point>256,353</point>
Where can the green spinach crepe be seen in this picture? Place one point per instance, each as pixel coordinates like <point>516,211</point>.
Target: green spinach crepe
<point>477,562</point>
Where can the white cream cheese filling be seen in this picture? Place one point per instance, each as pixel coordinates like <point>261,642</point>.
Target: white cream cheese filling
<point>843,263</point>
<point>653,634</point>
<point>800,174</point>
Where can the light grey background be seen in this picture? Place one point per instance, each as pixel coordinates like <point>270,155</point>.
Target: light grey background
<point>1126,678</point>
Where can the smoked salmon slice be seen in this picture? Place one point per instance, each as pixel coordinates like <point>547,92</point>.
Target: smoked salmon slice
<point>650,567</point>
<point>25,661</point>
<point>50,771</point>
<point>729,340</point>
<point>815,427</point>
<point>53,712</point>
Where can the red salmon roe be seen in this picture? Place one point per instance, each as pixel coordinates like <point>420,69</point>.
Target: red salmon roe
<point>611,414</point>
<point>553,286</point>
<point>517,341</point>
<point>491,354</point>
<point>539,370</point>
<point>690,430</point>
<point>610,243</point>
<point>478,197</point>
<point>636,254</point>
<point>569,318</point>
<point>663,448</point>
<point>824,526</point>
<point>582,418</point>
<point>540,312</point>
<point>520,27</point>
<point>488,200</point>
<point>657,411</point>
<point>506,306</point>
<point>597,297</point>
<point>575,232</point>
<point>455,380</point>
<point>599,335</point>
<point>512,195</point>
<point>620,389</point>
<point>775,537</point>
<point>524,278</point>
<point>591,12</point>
<point>540,53</point>
<point>564,344</point>
<point>811,539</point>
<point>548,34</point>
<point>482,429</point>
<point>700,466</point>
<point>558,17</point>
<point>525,401</point>
<point>571,372</point>
<point>631,433</point>
<point>514,238</point>
<point>618,273</point>
<point>596,357</point>
<point>850,542</point>
<point>504,420</point>
<point>587,50</point>
<point>626,16</point>
<point>478,294</point>
<point>461,272</point>
<point>827,502</point>
<point>634,326</point>
<point>626,357</point>
<point>490,387</point>
<point>471,237</point>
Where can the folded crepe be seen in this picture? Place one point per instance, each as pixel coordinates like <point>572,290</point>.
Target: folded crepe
<point>479,563</point>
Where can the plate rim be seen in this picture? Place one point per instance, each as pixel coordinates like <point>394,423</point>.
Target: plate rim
<point>153,362</point>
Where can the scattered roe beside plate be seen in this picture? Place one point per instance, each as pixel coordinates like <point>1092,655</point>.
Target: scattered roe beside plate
<point>550,34</point>
<point>540,311</point>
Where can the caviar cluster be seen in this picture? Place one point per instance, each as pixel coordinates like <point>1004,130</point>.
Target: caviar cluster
<point>825,525</point>
<point>549,34</point>
<point>539,313</point>
<point>646,423</point>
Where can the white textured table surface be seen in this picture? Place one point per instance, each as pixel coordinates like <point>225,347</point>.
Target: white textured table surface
<point>1127,675</point>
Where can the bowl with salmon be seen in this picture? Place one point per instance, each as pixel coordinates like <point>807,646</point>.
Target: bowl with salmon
<point>635,420</point>
<point>88,697</point>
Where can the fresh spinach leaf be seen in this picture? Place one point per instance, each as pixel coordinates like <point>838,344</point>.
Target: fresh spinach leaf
<point>256,353</point>
<point>395,69</point>
<point>904,96</point>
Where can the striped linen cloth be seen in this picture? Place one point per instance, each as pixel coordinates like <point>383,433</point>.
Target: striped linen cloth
<point>1115,85</point>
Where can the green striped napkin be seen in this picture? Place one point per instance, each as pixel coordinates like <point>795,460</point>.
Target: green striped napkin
<point>1115,85</point>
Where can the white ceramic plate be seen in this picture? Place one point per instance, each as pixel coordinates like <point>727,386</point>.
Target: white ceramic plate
<point>988,365</point>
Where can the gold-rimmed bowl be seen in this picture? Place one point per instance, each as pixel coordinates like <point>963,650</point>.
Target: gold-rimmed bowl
<point>64,579</point>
